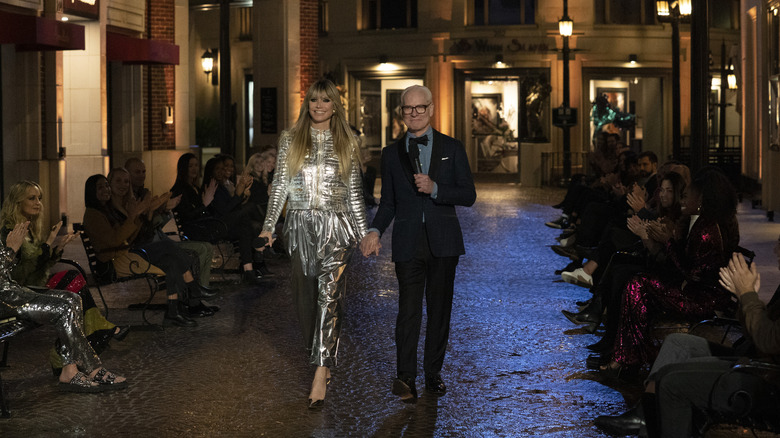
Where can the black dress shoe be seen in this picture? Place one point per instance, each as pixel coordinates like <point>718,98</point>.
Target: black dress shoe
<point>178,320</point>
<point>590,322</point>
<point>252,277</point>
<point>566,251</point>
<point>627,423</point>
<point>199,311</point>
<point>122,333</point>
<point>434,385</point>
<point>404,388</point>
<point>210,289</point>
<point>199,291</point>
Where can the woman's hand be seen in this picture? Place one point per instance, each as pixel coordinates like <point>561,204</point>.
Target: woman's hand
<point>636,199</point>
<point>243,185</point>
<point>173,202</point>
<point>16,236</point>
<point>55,230</point>
<point>61,241</point>
<point>637,226</point>
<point>208,194</point>
<point>269,236</point>
<point>659,231</point>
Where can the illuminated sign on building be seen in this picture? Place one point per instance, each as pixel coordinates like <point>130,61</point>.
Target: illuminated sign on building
<point>82,8</point>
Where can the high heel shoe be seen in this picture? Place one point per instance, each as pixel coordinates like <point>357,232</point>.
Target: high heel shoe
<point>316,404</point>
<point>616,370</point>
<point>122,333</point>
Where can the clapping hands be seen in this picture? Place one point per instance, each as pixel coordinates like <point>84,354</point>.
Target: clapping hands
<point>16,236</point>
<point>739,278</point>
<point>57,242</point>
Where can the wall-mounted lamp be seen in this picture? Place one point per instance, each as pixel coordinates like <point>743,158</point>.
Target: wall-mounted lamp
<point>732,78</point>
<point>208,61</point>
<point>168,115</point>
<point>500,62</point>
<point>632,59</point>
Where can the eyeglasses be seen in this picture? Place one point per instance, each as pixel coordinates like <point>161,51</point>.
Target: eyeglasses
<point>419,109</point>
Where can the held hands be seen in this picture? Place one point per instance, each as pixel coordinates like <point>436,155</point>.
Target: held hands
<point>269,237</point>
<point>739,278</point>
<point>423,182</point>
<point>370,244</point>
<point>16,236</point>
<point>208,194</point>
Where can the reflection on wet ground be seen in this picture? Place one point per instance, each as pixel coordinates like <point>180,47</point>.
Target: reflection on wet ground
<point>515,365</point>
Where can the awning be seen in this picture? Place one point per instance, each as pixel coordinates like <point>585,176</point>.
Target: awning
<point>131,50</point>
<point>29,32</point>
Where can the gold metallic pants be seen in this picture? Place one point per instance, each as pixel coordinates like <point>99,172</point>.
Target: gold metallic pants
<point>320,244</point>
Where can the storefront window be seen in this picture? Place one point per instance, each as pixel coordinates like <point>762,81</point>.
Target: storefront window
<point>379,115</point>
<point>724,14</point>
<point>389,14</point>
<point>503,12</point>
<point>503,112</point>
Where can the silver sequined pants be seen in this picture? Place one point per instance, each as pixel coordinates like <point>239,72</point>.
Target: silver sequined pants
<point>320,244</point>
<point>62,310</point>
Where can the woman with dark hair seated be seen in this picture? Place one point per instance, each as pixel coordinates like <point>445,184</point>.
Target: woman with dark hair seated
<point>706,236</point>
<point>206,212</point>
<point>112,234</point>
<point>82,370</point>
<point>40,252</point>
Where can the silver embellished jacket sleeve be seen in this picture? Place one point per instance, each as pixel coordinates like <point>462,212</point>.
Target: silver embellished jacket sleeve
<point>279,185</point>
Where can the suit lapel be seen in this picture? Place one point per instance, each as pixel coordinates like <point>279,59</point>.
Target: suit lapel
<point>406,163</point>
<point>436,155</point>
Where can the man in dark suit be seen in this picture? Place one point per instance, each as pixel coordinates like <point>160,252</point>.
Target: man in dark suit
<point>420,191</point>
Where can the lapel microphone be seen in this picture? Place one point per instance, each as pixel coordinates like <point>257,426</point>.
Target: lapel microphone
<point>414,156</point>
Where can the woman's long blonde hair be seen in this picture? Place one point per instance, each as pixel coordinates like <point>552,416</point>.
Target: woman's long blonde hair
<point>344,141</point>
<point>11,213</point>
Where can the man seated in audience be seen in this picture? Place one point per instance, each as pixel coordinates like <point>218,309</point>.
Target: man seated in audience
<point>691,374</point>
<point>204,250</point>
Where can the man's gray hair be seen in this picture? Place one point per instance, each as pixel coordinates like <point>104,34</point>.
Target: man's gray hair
<point>426,92</point>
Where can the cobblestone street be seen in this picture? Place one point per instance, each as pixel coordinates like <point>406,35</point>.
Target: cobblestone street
<point>515,366</point>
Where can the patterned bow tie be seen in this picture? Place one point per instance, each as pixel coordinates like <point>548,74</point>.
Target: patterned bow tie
<point>418,140</point>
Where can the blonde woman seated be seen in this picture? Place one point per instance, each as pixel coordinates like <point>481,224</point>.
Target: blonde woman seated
<point>40,251</point>
<point>82,370</point>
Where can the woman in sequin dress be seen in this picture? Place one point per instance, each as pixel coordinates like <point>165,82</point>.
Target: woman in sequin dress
<point>82,370</point>
<point>318,174</point>
<point>688,288</point>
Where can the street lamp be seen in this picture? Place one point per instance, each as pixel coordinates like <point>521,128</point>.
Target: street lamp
<point>674,13</point>
<point>565,28</point>
<point>207,62</point>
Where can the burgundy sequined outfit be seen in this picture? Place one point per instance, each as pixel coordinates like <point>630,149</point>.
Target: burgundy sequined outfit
<point>688,289</point>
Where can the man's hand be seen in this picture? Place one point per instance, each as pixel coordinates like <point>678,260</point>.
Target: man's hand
<point>423,182</point>
<point>370,244</point>
<point>739,278</point>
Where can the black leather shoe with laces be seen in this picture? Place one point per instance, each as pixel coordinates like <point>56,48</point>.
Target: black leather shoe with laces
<point>627,423</point>
<point>435,385</point>
<point>404,388</point>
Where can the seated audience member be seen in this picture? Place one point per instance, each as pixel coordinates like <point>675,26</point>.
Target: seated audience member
<point>112,232</point>
<point>693,375</point>
<point>82,369</point>
<point>368,174</point>
<point>153,228</point>
<point>687,286</point>
<point>151,239</point>
<point>39,252</point>
<point>201,220</point>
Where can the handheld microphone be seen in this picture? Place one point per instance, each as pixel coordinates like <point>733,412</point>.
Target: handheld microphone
<point>414,156</point>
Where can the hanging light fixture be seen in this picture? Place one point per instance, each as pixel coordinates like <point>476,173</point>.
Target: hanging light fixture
<point>732,78</point>
<point>686,7</point>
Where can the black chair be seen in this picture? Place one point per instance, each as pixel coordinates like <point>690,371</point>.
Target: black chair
<point>9,328</point>
<point>104,274</point>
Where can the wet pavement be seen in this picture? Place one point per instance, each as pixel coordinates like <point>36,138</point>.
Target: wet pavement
<point>514,368</point>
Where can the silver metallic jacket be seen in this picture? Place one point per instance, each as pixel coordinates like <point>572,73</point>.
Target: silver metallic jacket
<point>318,185</point>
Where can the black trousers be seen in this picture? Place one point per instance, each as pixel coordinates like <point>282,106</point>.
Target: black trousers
<point>433,278</point>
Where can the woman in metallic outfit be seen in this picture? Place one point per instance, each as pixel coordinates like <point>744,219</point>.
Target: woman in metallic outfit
<point>83,371</point>
<point>318,173</point>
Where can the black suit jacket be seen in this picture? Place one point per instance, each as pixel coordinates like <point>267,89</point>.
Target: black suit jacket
<point>401,201</point>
